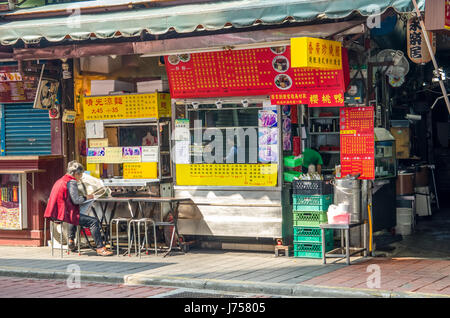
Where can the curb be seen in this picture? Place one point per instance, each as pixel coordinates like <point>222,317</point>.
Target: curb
<point>299,290</point>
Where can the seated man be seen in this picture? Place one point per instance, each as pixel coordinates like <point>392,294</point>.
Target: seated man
<point>64,205</point>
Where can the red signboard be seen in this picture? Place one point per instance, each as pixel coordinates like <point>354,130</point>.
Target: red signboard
<point>313,98</point>
<point>250,72</point>
<point>14,88</point>
<point>357,142</point>
<point>447,14</point>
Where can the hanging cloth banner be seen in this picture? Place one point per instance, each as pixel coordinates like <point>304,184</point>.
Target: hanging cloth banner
<point>447,14</point>
<point>416,46</point>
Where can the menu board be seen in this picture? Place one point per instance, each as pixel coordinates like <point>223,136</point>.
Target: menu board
<point>357,142</point>
<point>227,174</point>
<point>245,73</point>
<point>14,88</point>
<point>131,106</point>
<point>141,170</point>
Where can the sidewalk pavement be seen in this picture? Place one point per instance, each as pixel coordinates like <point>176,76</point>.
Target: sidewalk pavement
<point>233,271</point>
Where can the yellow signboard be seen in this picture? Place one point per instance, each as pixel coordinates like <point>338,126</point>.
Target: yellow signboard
<point>142,170</point>
<point>317,53</point>
<point>98,142</point>
<point>227,174</point>
<point>130,106</point>
<point>348,132</point>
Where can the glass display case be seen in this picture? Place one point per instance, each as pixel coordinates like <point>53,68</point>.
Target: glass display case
<point>385,160</point>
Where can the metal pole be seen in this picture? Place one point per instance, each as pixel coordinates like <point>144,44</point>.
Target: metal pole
<point>430,49</point>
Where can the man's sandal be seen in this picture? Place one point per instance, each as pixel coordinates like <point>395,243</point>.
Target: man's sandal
<point>104,252</point>
<point>72,246</point>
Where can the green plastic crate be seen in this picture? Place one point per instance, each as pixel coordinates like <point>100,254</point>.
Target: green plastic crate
<point>291,162</point>
<point>311,250</point>
<point>309,218</point>
<point>312,202</point>
<point>290,175</point>
<point>311,234</point>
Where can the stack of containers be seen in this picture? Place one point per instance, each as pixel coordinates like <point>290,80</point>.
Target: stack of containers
<point>311,199</point>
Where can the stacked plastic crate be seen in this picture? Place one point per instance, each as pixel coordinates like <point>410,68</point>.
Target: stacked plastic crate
<point>311,199</point>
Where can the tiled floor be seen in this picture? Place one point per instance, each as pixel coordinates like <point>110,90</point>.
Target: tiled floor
<point>39,288</point>
<point>396,274</point>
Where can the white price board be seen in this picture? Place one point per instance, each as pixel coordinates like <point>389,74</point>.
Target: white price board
<point>150,153</point>
<point>182,130</point>
<point>94,129</point>
<point>182,155</point>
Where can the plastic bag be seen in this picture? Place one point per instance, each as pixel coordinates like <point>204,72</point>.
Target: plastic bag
<point>336,215</point>
<point>91,185</point>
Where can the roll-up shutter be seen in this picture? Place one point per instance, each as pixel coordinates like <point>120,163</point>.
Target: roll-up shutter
<point>26,130</point>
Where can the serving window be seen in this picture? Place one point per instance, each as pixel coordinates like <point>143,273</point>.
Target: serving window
<point>226,144</point>
<point>131,151</point>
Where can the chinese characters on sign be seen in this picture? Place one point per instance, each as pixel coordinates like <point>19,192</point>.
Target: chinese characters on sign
<point>357,142</point>
<point>130,106</point>
<point>311,98</point>
<point>416,44</point>
<point>447,14</point>
<point>142,170</point>
<point>254,72</point>
<point>14,88</point>
<point>227,174</point>
<point>318,53</point>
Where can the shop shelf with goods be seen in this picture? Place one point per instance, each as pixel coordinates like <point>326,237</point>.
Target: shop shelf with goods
<point>290,164</point>
<point>311,199</point>
<point>323,135</point>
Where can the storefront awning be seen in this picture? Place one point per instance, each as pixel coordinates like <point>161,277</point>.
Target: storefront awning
<point>209,16</point>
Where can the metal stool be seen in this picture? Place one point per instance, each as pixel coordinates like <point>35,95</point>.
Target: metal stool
<point>172,236</point>
<point>52,224</point>
<point>144,221</point>
<point>118,221</point>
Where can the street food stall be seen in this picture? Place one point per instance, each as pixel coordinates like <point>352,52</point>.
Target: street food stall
<point>235,115</point>
<point>128,148</point>
<point>128,140</point>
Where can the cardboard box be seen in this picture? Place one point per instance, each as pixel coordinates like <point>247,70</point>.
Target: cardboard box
<point>402,141</point>
<point>100,64</point>
<point>106,87</point>
<point>153,86</point>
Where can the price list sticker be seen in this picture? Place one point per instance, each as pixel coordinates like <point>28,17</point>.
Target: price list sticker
<point>227,174</point>
<point>357,142</point>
